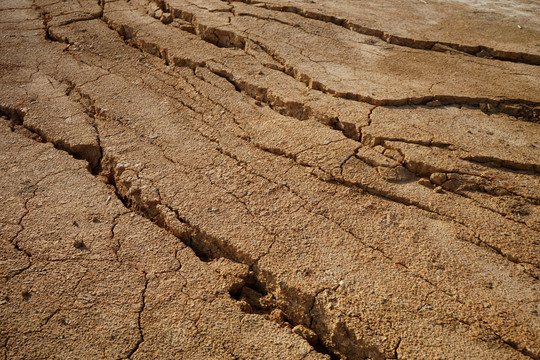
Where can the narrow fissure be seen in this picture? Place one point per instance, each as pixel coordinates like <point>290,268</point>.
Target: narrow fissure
<point>141,310</point>
<point>15,117</point>
<point>15,120</point>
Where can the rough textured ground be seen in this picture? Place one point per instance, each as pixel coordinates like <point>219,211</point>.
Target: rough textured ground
<point>277,179</point>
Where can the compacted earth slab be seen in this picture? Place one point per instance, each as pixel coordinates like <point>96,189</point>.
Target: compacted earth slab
<point>269,179</point>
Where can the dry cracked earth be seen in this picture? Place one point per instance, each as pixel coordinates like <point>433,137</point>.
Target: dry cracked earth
<point>274,179</point>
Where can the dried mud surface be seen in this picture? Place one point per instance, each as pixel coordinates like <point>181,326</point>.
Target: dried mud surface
<point>204,179</point>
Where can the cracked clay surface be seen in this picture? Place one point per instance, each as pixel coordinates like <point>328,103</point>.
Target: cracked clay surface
<point>207,179</point>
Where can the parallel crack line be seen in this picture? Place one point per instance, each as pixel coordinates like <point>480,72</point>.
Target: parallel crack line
<point>524,109</point>
<point>239,88</point>
<point>477,51</point>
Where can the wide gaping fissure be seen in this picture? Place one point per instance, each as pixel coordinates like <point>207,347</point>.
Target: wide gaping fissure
<point>204,246</point>
<point>208,248</point>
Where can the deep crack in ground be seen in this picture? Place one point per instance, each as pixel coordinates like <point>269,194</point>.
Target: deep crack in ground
<point>319,194</point>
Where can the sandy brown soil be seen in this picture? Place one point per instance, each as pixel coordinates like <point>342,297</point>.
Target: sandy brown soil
<point>277,179</point>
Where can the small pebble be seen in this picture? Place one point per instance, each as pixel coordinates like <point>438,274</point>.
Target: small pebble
<point>424,182</point>
<point>79,244</point>
<point>438,178</point>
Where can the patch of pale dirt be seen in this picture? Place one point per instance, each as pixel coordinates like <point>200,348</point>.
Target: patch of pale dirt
<point>269,179</point>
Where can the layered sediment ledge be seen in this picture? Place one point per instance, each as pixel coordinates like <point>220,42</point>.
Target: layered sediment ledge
<point>202,179</point>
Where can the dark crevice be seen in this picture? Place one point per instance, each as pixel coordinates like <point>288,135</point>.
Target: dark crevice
<point>80,152</point>
<point>459,182</point>
<point>89,109</point>
<point>501,164</point>
<point>254,298</point>
<point>521,109</point>
<point>511,166</point>
<point>396,349</point>
<point>46,17</point>
<point>205,247</point>
<point>92,154</point>
<point>12,114</point>
<point>229,79</point>
<point>96,169</point>
<point>465,188</point>
<point>515,346</point>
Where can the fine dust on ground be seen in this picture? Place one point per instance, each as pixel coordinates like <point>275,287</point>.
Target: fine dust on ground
<point>207,179</point>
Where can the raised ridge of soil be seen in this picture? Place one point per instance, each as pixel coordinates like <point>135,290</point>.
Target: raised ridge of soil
<point>269,179</point>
